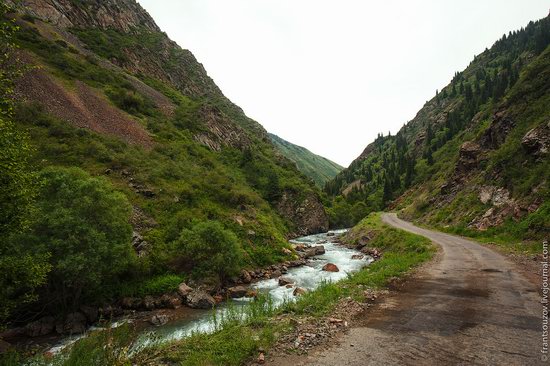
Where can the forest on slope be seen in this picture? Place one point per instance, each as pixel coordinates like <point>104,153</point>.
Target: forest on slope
<point>475,158</point>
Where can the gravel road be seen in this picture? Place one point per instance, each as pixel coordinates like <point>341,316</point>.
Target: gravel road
<point>471,307</point>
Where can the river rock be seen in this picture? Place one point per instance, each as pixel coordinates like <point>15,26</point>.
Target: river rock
<point>298,291</point>
<point>237,291</point>
<point>184,290</point>
<point>75,323</point>
<point>245,276</point>
<point>311,252</point>
<point>331,267</point>
<point>171,301</point>
<point>261,358</point>
<point>149,303</point>
<point>41,327</point>
<point>357,256</point>
<point>283,281</point>
<point>287,251</point>
<point>300,247</point>
<point>251,293</point>
<point>331,234</point>
<point>91,313</point>
<point>159,319</point>
<point>199,299</point>
<point>319,249</point>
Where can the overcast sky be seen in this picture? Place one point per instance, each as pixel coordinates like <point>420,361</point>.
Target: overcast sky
<point>330,75</point>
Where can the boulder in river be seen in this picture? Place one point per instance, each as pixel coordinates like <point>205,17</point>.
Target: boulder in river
<point>283,281</point>
<point>237,291</point>
<point>319,250</point>
<point>245,276</point>
<point>299,291</point>
<point>357,256</point>
<point>199,299</point>
<point>331,267</point>
<point>159,319</point>
<point>149,303</point>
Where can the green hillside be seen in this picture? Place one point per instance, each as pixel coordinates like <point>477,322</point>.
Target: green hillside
<point>475,157</point>
<point>316,167</point>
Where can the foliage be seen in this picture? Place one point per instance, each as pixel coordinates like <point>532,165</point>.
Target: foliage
<point>155,286</point>
<point>83,223</point>
<point>213,250</point>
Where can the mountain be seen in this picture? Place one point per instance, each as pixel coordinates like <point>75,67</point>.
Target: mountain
<point>107,100</point>
<point>475,157</point>
<point>316,167</point>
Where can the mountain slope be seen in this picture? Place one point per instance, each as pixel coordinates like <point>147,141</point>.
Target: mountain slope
<point>106,91</point>
<point>475,157</point>
<point>316,167</point>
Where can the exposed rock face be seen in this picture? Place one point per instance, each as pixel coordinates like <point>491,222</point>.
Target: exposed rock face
<point>308,215</point>
<point>537,141</point>
<point>221,130</point>
<point>497,132</point>
<point>123,15</point>
<point>469,157</point>
<point>184,290</point>
<point>237,292</point>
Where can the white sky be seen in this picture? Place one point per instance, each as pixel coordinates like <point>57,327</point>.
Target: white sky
<point>330,75</point>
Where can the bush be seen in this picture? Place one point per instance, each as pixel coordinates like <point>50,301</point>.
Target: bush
<point>213,250</point>
<point>84,225</point>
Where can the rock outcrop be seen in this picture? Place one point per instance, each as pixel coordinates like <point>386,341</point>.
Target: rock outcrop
<point>307,214</point>
<point>536,142</point>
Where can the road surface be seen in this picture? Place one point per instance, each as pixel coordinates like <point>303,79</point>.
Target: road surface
<point>469,308</point>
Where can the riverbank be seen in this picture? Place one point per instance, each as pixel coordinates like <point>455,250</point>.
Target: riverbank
<point>316,317</point>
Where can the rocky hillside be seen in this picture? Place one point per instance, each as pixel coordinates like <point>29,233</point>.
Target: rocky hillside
<point>475,157</point>
<point>316,167</point>
<point>105,90</point>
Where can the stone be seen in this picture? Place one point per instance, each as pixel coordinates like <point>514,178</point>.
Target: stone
<point>331,234</point>
<point>218,299</point>
<point>261,358</point>
<point>91,313</point>
<point>184,290</point>
<point>245,276</point>
<point>130,303</point>
<point>319,249</point>
<point>276,273</point>
<point>237,291</point>
<point>159,319</point>
<point>331,267</point>
<point>199,299</point>
<point>4,346</point>
<point>41,327</point>
<point>251,293</point>
<point>74,323</point>
<point>171,301</point>
<point>536,142</point>
<point>311,252</point>
<point>149,303</point>
<point>283,281</point>
<point>298,291</point>
<point>287,251</point>
<point>357,256</point>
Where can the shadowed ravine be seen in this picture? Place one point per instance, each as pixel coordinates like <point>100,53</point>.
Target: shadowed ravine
<point>470,307</point>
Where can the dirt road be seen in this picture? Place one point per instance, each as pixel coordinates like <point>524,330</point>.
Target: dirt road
<point>469,308</point>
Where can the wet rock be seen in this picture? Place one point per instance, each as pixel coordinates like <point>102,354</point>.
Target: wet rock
<point>199,299</point>
<point>184,290</point>
<point>171,301</point>
<point>357,256</point>
<point>283,281</point>
<point>331,234</point>
<point>319,249</point>
<point>275,274</point>
<point>75,323</point>
<point>218,299</point>
<point>159,319</point>
<point>300,247</point>
<point>311,252</point>
<point>331,267</point>
<point>237,292</point>
<point>41,327</point>
<point>245,276</point>
<point>149,303</point>
<point>91,313</point>
<point>298,291</point>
